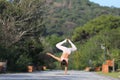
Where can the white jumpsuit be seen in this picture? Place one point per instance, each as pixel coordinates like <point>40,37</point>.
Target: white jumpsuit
<point>65,49</point>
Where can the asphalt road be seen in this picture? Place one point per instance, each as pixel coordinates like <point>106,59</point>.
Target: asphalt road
<point>55,75</point>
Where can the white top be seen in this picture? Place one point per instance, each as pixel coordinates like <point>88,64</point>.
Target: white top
<point>65,49</point>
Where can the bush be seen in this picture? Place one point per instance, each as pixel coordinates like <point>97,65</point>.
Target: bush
<point>22,62</point>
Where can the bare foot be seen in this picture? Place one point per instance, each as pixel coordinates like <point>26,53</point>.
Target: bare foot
<point>49,54</point>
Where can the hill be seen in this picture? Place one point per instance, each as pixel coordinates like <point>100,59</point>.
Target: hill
<point>65,15</point>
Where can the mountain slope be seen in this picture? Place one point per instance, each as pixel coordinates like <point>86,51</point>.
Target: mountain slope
<point>65,15</point>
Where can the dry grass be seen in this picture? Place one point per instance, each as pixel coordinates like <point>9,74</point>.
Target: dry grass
<point>111,74</point>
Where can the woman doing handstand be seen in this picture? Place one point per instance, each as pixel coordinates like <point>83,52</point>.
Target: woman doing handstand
<point>66,52</point>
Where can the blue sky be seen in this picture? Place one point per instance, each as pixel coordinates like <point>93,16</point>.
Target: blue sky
<point>109,3</point>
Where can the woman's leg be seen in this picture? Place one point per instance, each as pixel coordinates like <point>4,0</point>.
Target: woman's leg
<point>59,45</point>
<point>53,56</point>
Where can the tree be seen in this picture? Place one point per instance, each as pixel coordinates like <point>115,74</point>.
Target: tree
<point>102,30</point>
<point>20,22</point>
<point>95,26</point>
<point>21,19</point>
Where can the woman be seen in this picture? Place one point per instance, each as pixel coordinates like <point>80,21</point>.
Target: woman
<point>66,52</point>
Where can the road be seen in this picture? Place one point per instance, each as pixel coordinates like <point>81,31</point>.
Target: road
<point>55,75</point>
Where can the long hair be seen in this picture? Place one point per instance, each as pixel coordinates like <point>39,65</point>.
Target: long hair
<point>64,63</point>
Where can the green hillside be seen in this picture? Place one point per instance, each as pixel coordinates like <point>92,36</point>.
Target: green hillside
<point>65,15</point>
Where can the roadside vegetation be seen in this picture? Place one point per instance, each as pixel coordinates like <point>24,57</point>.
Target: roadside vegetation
<point>111,74</point>
<point>31,28</point>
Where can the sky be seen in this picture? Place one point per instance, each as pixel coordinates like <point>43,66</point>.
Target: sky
<point>109,3</point>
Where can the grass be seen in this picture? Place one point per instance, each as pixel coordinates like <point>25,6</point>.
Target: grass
<point>111,74</point>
